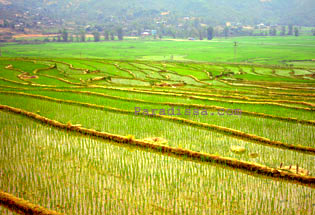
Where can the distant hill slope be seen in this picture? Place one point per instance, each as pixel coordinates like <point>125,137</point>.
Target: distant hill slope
<point>215,11</point>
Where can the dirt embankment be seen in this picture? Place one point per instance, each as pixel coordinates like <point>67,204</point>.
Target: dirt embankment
<point>33,35</point>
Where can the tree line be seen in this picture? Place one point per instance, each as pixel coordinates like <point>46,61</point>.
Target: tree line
<point>209,33</point>
<point>81,36</point>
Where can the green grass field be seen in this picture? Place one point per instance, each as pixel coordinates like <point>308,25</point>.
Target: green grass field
<point>262,50</point>
<point>206,162</point>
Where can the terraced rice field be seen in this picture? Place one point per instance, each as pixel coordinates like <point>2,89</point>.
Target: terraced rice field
<point>93,136</point>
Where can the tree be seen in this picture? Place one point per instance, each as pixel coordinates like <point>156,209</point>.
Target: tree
<point>272,32</point>
<point>200,34</point>
<point>106,35</point>
<point>290,31</point>
<point>120,34</point>
<point>82,36</point>
<point>64,35</point>
<point>282,31</point>
<point>296,32</point>
<point>226,31</point>
<point>112,36</point>
<point>96,36</point>
<point>173,34</point>
<point>6,24</point>
<point>210,33</point>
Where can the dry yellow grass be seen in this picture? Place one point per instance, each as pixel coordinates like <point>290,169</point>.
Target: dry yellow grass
<point>295,169</point>
<point>238,149</point>
<point>22,206</point>
<point>158,140</point>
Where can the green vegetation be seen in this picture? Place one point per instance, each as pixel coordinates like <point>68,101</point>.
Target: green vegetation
<point>136,14</point>
<point>67,170</point>
<point>261,50</point>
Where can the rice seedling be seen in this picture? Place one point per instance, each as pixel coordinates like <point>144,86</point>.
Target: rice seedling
<point>143,178</point>
<point>90,153</point>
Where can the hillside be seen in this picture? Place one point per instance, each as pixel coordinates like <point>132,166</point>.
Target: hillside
<point>297,12</point>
